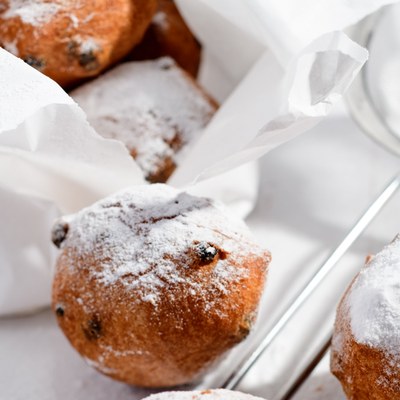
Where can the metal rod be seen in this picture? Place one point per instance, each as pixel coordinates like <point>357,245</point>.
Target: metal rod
<point>371,212</point>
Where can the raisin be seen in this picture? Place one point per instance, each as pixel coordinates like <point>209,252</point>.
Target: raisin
<point>59,233</point>
<point>34,62</point>
<point>88,61</point>
<point>59,311</point>
<point>206,252</point>
<point>93,330</point>
<point>243,331</point>
<point>113,205</point>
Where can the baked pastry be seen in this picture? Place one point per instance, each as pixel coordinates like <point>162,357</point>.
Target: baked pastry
<point>153,107</point>
<point>168,35</point>
<point>153,285</point>
<point>215,394</point>
<point>366,343</point>
<point>71,39</point>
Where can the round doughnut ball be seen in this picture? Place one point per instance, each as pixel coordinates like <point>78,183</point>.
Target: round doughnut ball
<point>215,394</point>
<point>154,107</point>
<point>69,40</point>
<point>168,35</point>
<point>365,353</point>
<point>153,285</point>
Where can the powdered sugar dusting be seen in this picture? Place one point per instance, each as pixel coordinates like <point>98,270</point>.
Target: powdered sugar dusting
<point>338,342</point>
<point>74,20</point>
<point>11,47</point>
<point>216,394</point>
<point>151,106</point>
<point>33,12</point>
<point>160,19</point>
<point>374,302</point>
<point>88,45</point>
<point>138,237</point>
<point>99,365</point>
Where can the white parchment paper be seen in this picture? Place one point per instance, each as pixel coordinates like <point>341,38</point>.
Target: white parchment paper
<point>278,70</point>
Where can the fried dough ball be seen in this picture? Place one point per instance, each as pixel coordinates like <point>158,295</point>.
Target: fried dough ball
<point>69,40</point>
<point>366,343</point>
<point>215,394</point>
<point>154,107</point>
<point>153,285</point>
<point>168,35</point>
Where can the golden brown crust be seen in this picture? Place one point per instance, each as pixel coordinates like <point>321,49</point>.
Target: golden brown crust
<point>138,344</point>
<point>363,371</point>
<point>162,172</point>
<point>168,323</point>
<point>78,39</point>
<point>168,35</point>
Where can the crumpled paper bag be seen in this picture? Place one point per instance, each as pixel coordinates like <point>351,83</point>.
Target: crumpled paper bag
<point>276,84</point>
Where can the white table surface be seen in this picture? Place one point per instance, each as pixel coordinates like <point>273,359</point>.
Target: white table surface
<point>312,190</point>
